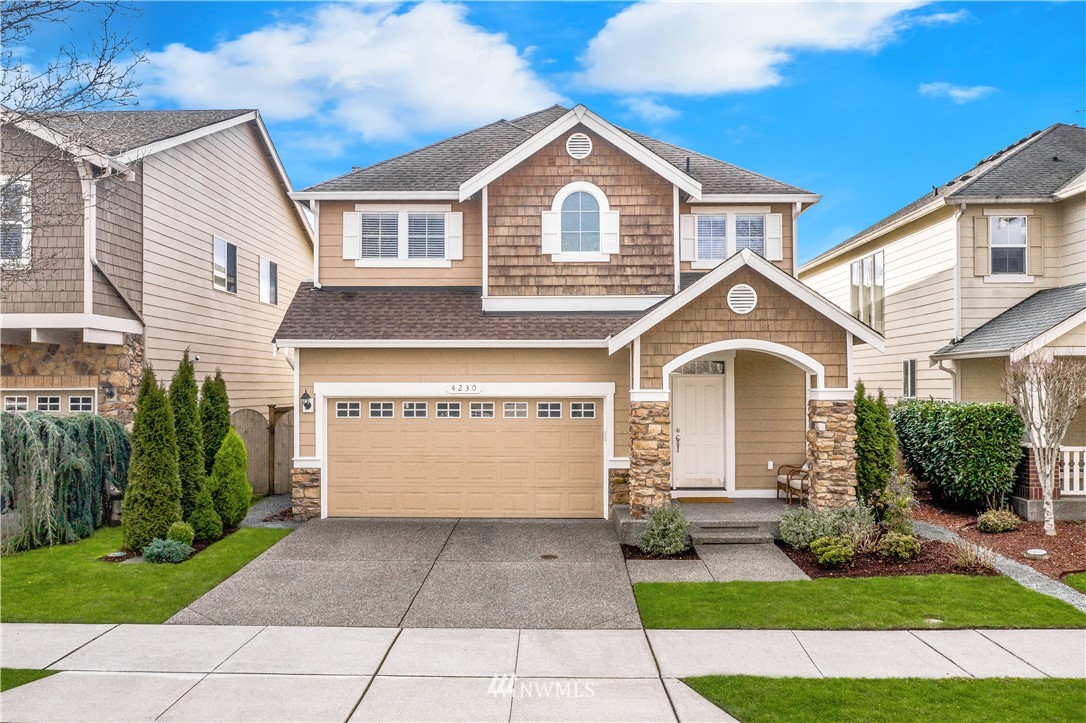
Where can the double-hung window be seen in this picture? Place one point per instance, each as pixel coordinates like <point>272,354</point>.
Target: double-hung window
<point>225,269</point>
<point>15,229</point>
<point>750,233</point>
<point>269,281</point>
<point>868,290</point>
<point>380,235</point>
<point>1008,241</point>
<point>713,233</point>
<point>425,235</point>
<point>386,236</point>
<point>712,237</point>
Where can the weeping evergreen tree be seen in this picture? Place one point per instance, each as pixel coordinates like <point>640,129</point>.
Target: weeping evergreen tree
<point>214,416</point>
<point>189,431</point>
<point>152,500</point>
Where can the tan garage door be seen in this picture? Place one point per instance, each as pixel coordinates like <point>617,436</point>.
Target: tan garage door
<point>465,458</point>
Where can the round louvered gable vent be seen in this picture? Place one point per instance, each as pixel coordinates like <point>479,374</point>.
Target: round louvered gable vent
<point>578,145</point>
<point>742,299</point>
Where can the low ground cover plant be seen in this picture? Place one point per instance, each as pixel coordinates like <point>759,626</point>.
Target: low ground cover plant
<point>899,546</point>
<point>996,521</point>
<point>666,532</point>
<point>802,526</point>
<point>172,551</point>
<point>833,551</point>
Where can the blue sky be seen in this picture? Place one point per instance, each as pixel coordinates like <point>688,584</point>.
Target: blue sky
<point>869,104</point>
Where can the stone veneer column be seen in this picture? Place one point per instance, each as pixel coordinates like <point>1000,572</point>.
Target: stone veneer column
<point>619,484</point>
<point>650,456</point>
<point>831,453</point>
<point>305,493</point>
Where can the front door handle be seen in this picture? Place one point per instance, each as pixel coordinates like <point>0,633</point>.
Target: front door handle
<point>678,442</point>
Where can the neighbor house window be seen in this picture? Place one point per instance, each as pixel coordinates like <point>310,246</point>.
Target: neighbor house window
<point>414,410</point>
<point>908,378</point>
<point>1008,243</point>
<point>548,410</point>
<point>16,404</point>
<point>750,233</point>
<point>381,410</point>
<point>582,410</point>
<point>482,410</point>
<point>426,235</point>
<point>269,281</point>
<point>349,410</point>
<point>380,235</point>
<point>515,410</point>
<point>712,235</point>
<point>48,404</point>
<point>15,230</point>
<point>448,410</point>
<point>80,404</point>
<point>868,290</point>
<point>580,222</point>
<point>225,272</point>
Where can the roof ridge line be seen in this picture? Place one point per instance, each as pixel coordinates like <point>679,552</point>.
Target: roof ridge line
<point>1004,154</point>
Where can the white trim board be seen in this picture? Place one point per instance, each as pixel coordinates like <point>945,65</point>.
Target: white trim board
<point>613,302</point>
<point>375,196</point>
<point>70,321</point>
<point>803,361</point>
<point>758,198</point>
<point>442,343</point>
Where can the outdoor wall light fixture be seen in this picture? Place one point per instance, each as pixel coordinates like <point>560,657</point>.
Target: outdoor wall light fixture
<point>307,401</point>
<point>107,390</point>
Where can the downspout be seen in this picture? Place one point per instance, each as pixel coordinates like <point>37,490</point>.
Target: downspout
<point>953,378</point>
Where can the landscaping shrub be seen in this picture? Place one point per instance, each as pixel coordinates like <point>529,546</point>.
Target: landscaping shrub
<point>181,532</point>
<point>897,545</point>
<point>876,444</point>
<point>666,532</point>
<point>58,474</point>
<point>968,556</point>
<point>966,452</point>
<point>214,416</point>
<point>800,527</point>
<point>190,436</point>
<point>833,551</point>
<point>995,521</point>
<point>229,481</point>
<point>152,500</point>
<point>205,521</point>
<point>893,504</point>
<point>173,551</point>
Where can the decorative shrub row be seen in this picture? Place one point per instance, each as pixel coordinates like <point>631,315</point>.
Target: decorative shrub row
<point>966,452</point>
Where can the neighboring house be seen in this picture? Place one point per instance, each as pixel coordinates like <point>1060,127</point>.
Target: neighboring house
<point>545,316</point>
<point>131,235</point>
<point>986,268</point>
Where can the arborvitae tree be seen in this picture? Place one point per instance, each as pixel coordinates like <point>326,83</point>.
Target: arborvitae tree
<point>152,499</point>
<point>189,431</point>
<point>205,521</point>
<point>214,416</point>
<point>229,481</point>
<point>876,445</point>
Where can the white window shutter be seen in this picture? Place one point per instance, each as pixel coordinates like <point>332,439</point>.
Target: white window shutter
<point>774,237</point>
<point>352,235</point>
<point>454,235</point>
<point>609,235</point>
<point>688,236</point>
<point>552,237</point>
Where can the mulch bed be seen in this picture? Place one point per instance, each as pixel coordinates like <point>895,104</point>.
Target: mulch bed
<point>1067,550</point>
<point>284,515</point>
<point>932,560</point>
<point>196,546</point>
<point>633,552</point>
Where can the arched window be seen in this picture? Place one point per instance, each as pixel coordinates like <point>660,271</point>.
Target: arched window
<point>580,222</point>
<point>580,226</point>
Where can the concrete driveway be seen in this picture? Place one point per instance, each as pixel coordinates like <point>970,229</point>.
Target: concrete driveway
<point>431,573</point>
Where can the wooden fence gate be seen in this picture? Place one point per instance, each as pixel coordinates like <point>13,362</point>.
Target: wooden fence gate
<point>270,448</point>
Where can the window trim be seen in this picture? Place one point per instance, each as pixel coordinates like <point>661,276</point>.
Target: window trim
<point>730,213</point>
<point>344,409</point>
<point>38,402</point>
<point>539,408</point>
<point>864,303</point>
<point>516,408</point>
<point>73,397</point>
<point>556,207</point>
<point>13,400</point>
<point>23,260</point>
<point>1012,276</point>
<point>272,298</point>
<point>225,287</point>
<point>908,378</point>
<point>402,259</point>
<point>473,407</point>
<point>450,408</point>
<point>416,407</point>
<point>379,406</point>
<point>587,410</point>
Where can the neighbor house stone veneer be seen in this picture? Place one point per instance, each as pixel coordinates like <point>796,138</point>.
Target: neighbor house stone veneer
<point>305,493</point>
<point>650,456</point>
<point>831,453</point>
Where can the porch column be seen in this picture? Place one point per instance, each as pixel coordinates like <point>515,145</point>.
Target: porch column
<point>831,452</point>
<point>650,456</point>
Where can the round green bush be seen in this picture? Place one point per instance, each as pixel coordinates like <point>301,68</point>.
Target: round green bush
<point>229,481</point>
<point>833,551</point>
<point>172,551</point>
<point>995,521</point>
<point>205,521</point>
<point>666,532</point>
<point>182,532</point>
<point>899,546</point>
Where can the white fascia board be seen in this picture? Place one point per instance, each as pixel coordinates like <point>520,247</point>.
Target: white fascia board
<point>1049,335</point>
<point>143,151</point>
<point>951,356</point>
<point>79,322</point>
<point>1073,187</point>
<point>61,141</point>
<point>746,257</point>
<point>613,302</point>
<point>811,198</point>
<point>442,343</point>
<point>326,390</point>
<point>831,395</point>
<point>975,200</point>
<point>580,115</point>
<point>375,196</point>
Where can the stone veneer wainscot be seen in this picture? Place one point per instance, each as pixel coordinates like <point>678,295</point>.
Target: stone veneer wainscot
<point>831,453</point>
<point>305,490</point>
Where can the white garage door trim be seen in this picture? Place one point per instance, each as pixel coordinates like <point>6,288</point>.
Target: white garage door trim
<point>589,390</point>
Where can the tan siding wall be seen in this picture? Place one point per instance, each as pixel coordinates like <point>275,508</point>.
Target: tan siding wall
<point>222,184</point>
<point>1075,337</point>
<point>778,317</point>
<point>107,300</point>
<point>770,418</point>
<point>476,365</point>
<point>919,312</point>
<point>982,379</point>
<point>645,264</point>
<point>1072,254</point>
<point>336,271</point>
<point>120,245</point>
<point>787,242</point>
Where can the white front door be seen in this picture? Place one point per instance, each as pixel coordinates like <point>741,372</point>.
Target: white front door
<point>698,430</point>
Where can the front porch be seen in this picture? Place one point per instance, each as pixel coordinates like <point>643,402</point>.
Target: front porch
<point>742,521</point>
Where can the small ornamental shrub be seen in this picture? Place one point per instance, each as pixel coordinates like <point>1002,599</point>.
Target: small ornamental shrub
<point>876,444</point>
<point>190,436</point>
<point>893,504</point>
<point>173,551</point>
<point>205,521</point>
<point>968,556</point>
<point>800,527</point>
<point>994,521</point>
<point>214,416</point>
<point>229,485</point>
<point>833,551</point>
<point>899,546</point>
<point>182,532</point>
<point>666,532</point>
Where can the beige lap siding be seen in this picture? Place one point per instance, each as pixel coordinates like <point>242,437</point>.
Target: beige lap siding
<point>524,366</point>
<point>770,418</point>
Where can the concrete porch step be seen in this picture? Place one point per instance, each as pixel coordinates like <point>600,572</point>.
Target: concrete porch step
<point>713,525</point>
<point>730,537</point>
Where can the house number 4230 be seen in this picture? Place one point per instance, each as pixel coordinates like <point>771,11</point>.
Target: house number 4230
<point>463,388</point>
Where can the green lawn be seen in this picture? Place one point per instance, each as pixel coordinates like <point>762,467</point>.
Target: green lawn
<point>962,700</point>
<point>14,677</point>
<point>1077,581</point>
<point>872,603</point>
<point>67,584</point>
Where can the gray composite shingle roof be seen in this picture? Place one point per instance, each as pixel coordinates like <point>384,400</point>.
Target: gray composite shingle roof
<point>1021,323</point>
<point>444,165</point>
<point>117,131</point>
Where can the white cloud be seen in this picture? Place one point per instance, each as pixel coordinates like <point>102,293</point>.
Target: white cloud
<point>650,110</point>
<point>703,48</point>
<point>941,18</point>
<point>374,70</point>
<point>957,93</point>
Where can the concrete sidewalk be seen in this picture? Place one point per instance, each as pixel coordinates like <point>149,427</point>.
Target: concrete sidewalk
<point>228,673</point>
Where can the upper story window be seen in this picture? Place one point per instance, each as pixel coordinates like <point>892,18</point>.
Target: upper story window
<point>428,236</point>
<point>712,234</point>
<point>1008,239</point>
<point>15,229</point>
<point>380,235</point>
<point>269,281</point>
<point>225,269</point>
<point>580,226</point>
<point>868,290</point>
<point>750,233</point>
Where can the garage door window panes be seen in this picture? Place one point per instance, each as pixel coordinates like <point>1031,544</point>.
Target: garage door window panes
<point>381,410</point>
<point>448,410</point>
<point>582,410</point>
<point>349,410</point>
<point>548,410</point>
<point>80,404</point>
<point>48,404</point>
<point>16,404</point>
<point>414,410</point>
<point>482,410</point>
<point>515,410</point>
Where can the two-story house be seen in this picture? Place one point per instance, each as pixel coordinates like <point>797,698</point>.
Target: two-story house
<point>986,268</point>
<point>545,316</point>
<point>131,235</point>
